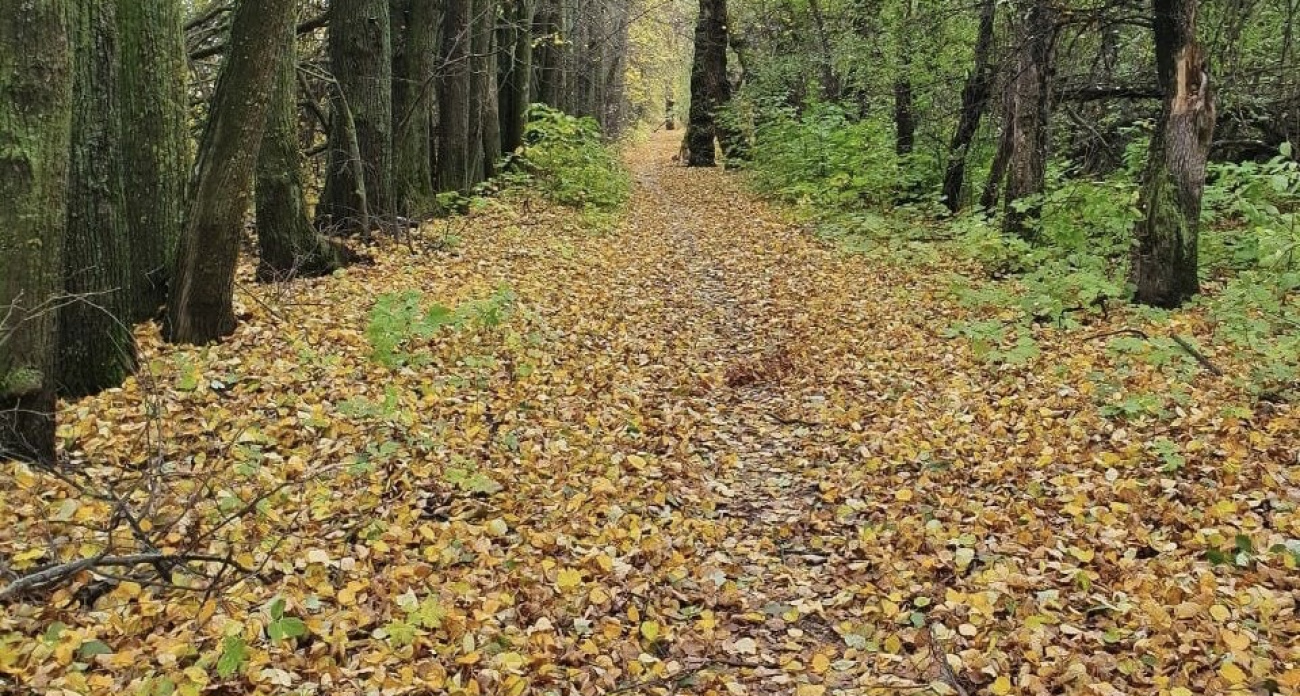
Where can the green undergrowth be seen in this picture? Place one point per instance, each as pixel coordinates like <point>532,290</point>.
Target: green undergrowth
<point>841,175</point>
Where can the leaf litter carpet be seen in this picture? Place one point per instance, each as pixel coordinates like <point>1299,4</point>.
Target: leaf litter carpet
<point>700,453</point>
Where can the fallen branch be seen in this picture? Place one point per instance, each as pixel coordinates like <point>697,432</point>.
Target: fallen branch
<point>1182,343</point>
<point>63,571</point>
<point>945,670</point>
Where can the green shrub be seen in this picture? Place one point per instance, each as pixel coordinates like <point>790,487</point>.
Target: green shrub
<point>566,159</point>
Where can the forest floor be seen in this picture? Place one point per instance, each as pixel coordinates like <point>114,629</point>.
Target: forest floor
<point>701,452</point>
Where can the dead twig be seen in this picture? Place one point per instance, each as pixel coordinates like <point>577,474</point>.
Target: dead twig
<point>62,571</point>
<point>941,657</point>
<point>1182,343</point>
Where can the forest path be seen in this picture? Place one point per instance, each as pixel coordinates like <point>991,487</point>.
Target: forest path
<point>783,348</point>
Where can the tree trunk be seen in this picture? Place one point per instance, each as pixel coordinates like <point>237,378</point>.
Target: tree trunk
<point>516,41</point>
<point>360,53</point>
<point>288,245</point>
<point>414,92</point>
<point>709,87</point>
<point>974,100</point>
<point>155,142</point>
<point>96,346</point>
<point>1030,94</point>
<point>201,306</point>
<point>454,98</point>
<point>549,84</point>
<point>487,117</point>
<point>1164,268</point>
<point>825,56</point>
<point>35,129</point>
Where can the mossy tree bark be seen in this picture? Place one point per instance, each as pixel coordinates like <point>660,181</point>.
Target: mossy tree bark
<point>454,104</point>
<point>35,129</point>
<point>709,87</point>
<point>200,308</point>
<point>155,142</point>
<point>360,53</point>
<point>515,38</point>
<point>96,346</point>
<point>1164,268</point>
<point>288,244</point>
<point>414,104</point>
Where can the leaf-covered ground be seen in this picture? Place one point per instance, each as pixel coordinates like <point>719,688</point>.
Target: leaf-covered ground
<point>701,453</point>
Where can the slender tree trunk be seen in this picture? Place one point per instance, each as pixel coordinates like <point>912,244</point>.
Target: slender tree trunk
<point>516,40</point>
<point>1030,94</point>
<point>548,84</point>
<point>974,100</point>
<point>200,308</point>
<point>1164,268</point>
<point>96,346</point>
<point>825,58</point>
<point>35,129</point>
<point>488,119</point>
<point>709,87</point>
<point>287,242</point>
<point>454,103</point>
<point>360,52</point>
<point>155,142</point>
<point>414,93</point>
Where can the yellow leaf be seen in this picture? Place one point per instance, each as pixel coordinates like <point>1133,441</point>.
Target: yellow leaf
<point>1232,673</point>
<point>820,663</point>
<point>893,645</point>
<point>1083,555</point>
<point>1220,613</point>
<point>1000,686</point>
<point>810,690</point>
<point>1180,691</point>
<point>650,630</point>
<point>903,494</point>
<point>568,579</point>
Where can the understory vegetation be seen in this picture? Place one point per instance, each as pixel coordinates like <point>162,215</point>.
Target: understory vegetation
<point>843,176</point>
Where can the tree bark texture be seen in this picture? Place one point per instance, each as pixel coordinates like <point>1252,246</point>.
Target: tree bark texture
<point>155,142</point>
<point>414,97</point>
<point>360,53</point>
<point>35,129</point>
<point>454,105</point>
<point>200,308</point>
<point>709,87</point>
<point>1029,92</point>
<point>96,345</point>
<point>516,41</point>
<point>1164,263</point>
<point>974,100</point>
<point>287,243</point>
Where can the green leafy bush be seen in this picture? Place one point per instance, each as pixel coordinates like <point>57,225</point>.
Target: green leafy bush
<point>570,164</point>
<point>398,318</point>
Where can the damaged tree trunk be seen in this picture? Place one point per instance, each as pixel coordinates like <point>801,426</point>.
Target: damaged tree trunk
<point>709,87</point>
<point>1164,268</point>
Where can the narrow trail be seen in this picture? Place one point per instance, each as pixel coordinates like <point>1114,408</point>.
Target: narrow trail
<point>702,452</point>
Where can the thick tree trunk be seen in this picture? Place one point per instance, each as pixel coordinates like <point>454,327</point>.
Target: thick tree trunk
<point>35,128</point>
<point>155,142</point>
<point>709,87</point>
<point>1030,94</point>
<point>200,308</point>
<point>96,346</point>
<point>974,100</point>
<point>516,40</point>
<point>454,103</point>
<point>288,245</point>
<point>414,94</point>
<point>360,52</point>
<point>1164,268</point>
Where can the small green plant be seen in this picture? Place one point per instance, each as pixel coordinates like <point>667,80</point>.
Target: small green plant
<point>397,318</point>
<point>282,626</point>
